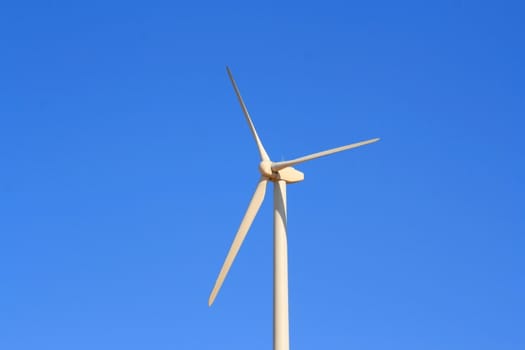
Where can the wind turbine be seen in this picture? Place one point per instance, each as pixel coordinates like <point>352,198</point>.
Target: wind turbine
<point>281,174</point>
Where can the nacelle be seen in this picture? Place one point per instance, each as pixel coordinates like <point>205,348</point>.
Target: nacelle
<point>290,175</point>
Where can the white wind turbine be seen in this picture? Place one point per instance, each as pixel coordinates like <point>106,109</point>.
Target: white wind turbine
<point>280,173</point>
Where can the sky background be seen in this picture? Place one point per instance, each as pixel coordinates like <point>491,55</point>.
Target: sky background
<point>127,165</point>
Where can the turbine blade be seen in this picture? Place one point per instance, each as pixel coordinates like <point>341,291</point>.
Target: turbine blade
<point>246,222</point>
<point>281,165</point>
<point>262,151</point>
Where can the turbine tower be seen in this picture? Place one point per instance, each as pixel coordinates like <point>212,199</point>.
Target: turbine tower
<point>281,174</point>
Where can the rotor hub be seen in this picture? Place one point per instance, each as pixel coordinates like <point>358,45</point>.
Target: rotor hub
<point>265,167</point>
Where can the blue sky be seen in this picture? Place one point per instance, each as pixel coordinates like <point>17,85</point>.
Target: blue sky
<point>127,166</point>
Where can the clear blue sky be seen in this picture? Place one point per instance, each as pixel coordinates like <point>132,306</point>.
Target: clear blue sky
<point>126,167</point>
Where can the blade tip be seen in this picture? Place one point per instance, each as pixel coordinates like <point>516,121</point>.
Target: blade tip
<point>213,295</point>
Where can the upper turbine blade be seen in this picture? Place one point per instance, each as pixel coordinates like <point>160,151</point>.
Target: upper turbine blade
<point>246,222</point>
<point>281,165</point>
<point>262,151</point>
